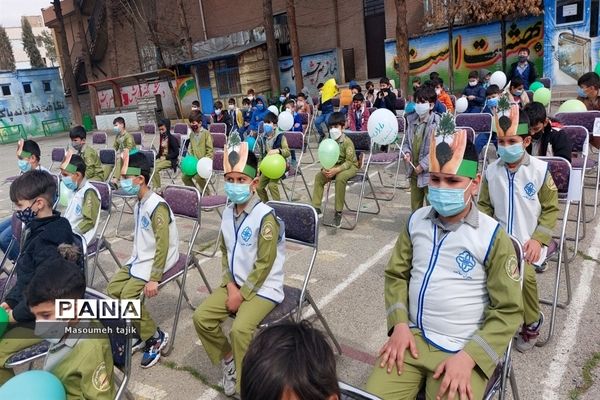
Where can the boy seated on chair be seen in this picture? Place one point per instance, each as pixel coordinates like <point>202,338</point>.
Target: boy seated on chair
<point>32,195</point>
<point>124,143</point>
<point>155,251</point>
<point>452,288</point>
<point>83,363</point>
<point>83,210</point>
<point>93,166</point>
<point>272,141</point>
<point>546,139</point>
<point>345,169</point>
<point>200,145</point>
<point>167,156</point>
<point>253,247</point>
<point>520,193</point>
<point>269,374</point>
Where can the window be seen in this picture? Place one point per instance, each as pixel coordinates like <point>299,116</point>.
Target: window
<point>5,90</point>
<point>227,75</point>
<point>282,35</point>
<point>569,12</point>
<point>27,87</point>
<point>47,87</point>
<point>373,7</point>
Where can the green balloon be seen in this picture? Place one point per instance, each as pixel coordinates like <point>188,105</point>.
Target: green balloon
<point>188,166</point>
<point>542,95</point>
<point>3,321</point>
<point>535,86</point>
<point>329,153</point>
<point>572,105</point>
<point>597,69</point>
<point>273,166</point>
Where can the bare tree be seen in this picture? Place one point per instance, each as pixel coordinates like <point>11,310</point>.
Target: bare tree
<point>82,37</point>
<point>7,57</point>
<point>402,64</point>
<point>291,18</point>
<point>271,46</point>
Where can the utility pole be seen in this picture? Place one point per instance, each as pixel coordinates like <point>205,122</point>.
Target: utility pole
<point>271,46</point>
<point>291,18</point>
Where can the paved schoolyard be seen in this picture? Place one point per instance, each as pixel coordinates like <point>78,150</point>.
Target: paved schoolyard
<point>347,284</point>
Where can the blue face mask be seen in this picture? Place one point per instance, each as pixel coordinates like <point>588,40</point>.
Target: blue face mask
<point>518,93</point>
<point>129,188</point>
<point>282,98</point>
<point>237,193</point>
<point>580,92</point>
<point>268,129</point>
<point>116,130</point>
<point>493,102</point>
<point>447,202</point>
<point>511,154</point>
<point>69,183</point>
<point>260,106</point>
<point>24,165</point>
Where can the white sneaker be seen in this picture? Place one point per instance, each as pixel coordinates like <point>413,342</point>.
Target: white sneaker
<point>229,380</point>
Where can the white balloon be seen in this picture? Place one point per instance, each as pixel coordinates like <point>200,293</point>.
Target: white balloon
<point>205,167</point>
<point>461,105</point>
<point>285,121</point>
<point>498,78</point>
<point>274,110</point>
<point>383,126</point>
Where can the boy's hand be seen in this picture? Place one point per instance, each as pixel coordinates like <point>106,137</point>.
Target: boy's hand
<point>11,319</point>
<point>532,250</point>
<point>151,289</point>
<point>418,170</point>
<point>457,377</point>
<point>393,350</point>
<point>273,151</point>
<point>471,97</point>
<point>6,307</point>
<point>234,298</point>
<point>407,157</point>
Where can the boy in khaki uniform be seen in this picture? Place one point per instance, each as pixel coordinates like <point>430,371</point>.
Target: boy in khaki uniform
<point>253,246</point>
<point>200,145</point>
<point>93,166</point>
<point>345,168</point>
<point>451,343</point>
<point>123,141</point>
<point>83,363</point>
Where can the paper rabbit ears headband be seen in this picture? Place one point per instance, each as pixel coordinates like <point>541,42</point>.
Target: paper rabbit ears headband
<point>236,157</point>
<point>451,151</point>
<point>515,123</point>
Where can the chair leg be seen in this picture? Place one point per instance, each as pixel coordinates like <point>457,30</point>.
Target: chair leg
<point>513,385</point>
<point>185,295</point>
<point>215,248</point>
<point>203,275</point>
<point>394,187</point>
<point>324,322</point>
<point>554,302</point>
<point>125,203</point>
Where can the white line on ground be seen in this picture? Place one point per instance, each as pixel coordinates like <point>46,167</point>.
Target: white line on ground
<point>147,391</point>
<point>209,394</point>
<point>566,341</point>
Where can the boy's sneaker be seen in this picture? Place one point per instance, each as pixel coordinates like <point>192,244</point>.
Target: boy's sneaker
<point>137,344</point>
<point>337,219</point>
<point>319,212</point>
<point>529,335</point>
<point>540,268</point>
<point>153,347</point>
<point>229,379</point>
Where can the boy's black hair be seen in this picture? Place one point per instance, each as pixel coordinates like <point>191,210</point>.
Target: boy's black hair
<point>195,116</point>
<point>492,89</point>
<point>590,79</point>
<point>33,184</point>
<point>78,132</point>
<point>516,81</point>
<point>336,118</point>
<point>437,82</point>
<point>32,147</point>
<point>526,49</point>
<point>78,162</point>
<point>231,100</point>
<point>252,161</point>
<point>290,101</point>
<point>246,100</point>
<point>320,85</point>
<point>196,103</point>
<point>301,95</point>
<point>385,80</point>
<point>428,83</point>
<point>473,74</point>
<point>416,79</point>
<point>218,104</point>
<point>536,113</point>
<point>55,278</point>
<point>369,83</point>
<point>138,160</point>
<point>289,356</point>
<point>120,120</point>
<point>250,91</point>
<point>358,97</point>
<point>166,123</point>
<point>425,93</point>
<point>434,75</point>
<point>271,118</point>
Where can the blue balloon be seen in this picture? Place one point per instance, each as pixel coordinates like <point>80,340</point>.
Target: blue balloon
<point>33,385</point>
<point>251,142</point>
<point>410,107</point>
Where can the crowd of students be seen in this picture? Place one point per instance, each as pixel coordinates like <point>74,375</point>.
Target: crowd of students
<point>457,236</point>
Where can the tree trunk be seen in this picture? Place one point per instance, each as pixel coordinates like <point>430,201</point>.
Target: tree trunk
<point>291,17</point>
<point>66,63</point>
<point>271,46</point>
<point>185,28</point>
<point>451,55</point>
<point>336,18</point>
<point>88,61</point>
<point>402,46</point>
<point>110,28</point>
<point>503,34</point>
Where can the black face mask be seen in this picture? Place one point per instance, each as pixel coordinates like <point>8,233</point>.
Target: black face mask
<point>371,90</point>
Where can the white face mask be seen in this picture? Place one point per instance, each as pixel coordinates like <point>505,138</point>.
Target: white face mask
<point>231,106</point>
<point>218,111</point>
<point>250,97</point>
<point>335,133</point>
<point>472,83</point>
<point>51,330</point>
<point>422,108</point>
<point>438,91</point>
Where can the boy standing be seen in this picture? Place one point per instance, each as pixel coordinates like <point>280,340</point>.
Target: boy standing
<point>155,251</point>
<point>272,141</point>
<point>422,125</point>
<point>345,169</point>
<point>523,69</point>
<point>475,93</point>
<point>519,192</point>
<point>93,166</point>
<point>253,247</point>
<point>450,342</point>
<point>123,141</point>
<point>200,145</point>
<point>167,156</point>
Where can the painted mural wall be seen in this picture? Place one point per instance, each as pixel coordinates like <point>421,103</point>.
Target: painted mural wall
<point>571,43</point>
<point>44,102</point>
<point>317,68</point>
<point>475,48</point>
<point>131,94</point>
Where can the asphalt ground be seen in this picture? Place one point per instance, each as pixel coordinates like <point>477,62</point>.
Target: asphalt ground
<point>347,284</point>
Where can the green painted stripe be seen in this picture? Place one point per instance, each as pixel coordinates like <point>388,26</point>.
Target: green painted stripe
<point>467,168</point>
<point>133,171</point>
<point>70,168</point>
<point>523,129</point>
<point>25,154</point>
<point>250,171</point>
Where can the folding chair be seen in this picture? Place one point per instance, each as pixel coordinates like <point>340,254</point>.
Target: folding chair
<point>362,144</point>
<point>150,129</point>
<point>350,392</point>
<point>185,203</point>
<point>57,199</point>
<point>218,127</point>
<point>561,172</point>
<point>172,174</point>
<point>214,201</point>
<point>295,141</point>
<point>79,241</point>
<point>219,140</point>
<point>307,121</point>
<point>100,243</point>
<point>481,124</point>
<point>181,129</point>
<point>137,138</point>
<point>301,228</point>
<point>100,138</point>
<point>57,155</point>
<point>547,82</point>
<point>15,241</point>
<point>108,158</point>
